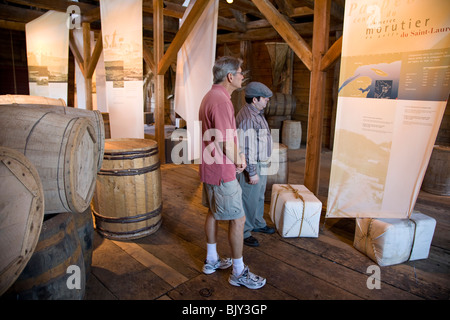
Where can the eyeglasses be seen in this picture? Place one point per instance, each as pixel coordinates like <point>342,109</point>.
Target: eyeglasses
<point>240,72</point>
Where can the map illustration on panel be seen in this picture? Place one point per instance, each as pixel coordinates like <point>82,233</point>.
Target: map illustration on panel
<point>378,81</point>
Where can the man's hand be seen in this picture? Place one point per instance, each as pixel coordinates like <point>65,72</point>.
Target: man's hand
<point>253,179</point>
<point>241,165</point>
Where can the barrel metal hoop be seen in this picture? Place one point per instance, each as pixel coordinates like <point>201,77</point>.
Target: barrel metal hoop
<point>129,155</point>
<point>129,172</point>
<point>125,233</point>
<point>131,219</point>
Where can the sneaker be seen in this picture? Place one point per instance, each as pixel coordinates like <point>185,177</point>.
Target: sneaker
<point>248,279</point>
<point>265,229</point>
<point>251,241</point>
<point>209,267</point>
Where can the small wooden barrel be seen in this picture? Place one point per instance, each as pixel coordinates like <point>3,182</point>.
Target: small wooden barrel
<point>291,135</point>
<point>46,275</point>
<point>21,214</point>
<point>94,116</point>
<point>127,202</point>
<point>281,104</point>
<point>63,149</point>
<point>437,176</point>
<point>25,99</point>
<point>278,169</point>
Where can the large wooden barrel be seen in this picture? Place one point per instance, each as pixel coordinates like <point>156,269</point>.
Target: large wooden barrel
<point>25,99</point>
<point>276,126</point>
<point>85,231</point>
<point>278,170</point>
<point>21,214</point>
<point>291,135</point>
<point>127,202</point>
<point>281,104</point>
<point>47,274</point>
<point>437,176</point>
<point>94,116</point>
<point>63,149</point>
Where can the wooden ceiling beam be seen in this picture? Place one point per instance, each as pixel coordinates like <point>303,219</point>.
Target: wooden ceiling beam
<point>12,25</point>
<point>301,12</point>
<point>11,13</point>
<point>170,9</point>
<point>60,5</point>
<point>333,53</point>
<point>263,32</point>
<point>286,31</point>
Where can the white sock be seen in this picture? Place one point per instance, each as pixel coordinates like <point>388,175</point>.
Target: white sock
<point>211,252</point>
<point>238,266</point>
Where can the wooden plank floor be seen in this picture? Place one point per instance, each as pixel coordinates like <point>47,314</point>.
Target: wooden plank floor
<point>167,264</point>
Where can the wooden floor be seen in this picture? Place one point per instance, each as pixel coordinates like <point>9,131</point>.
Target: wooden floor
<point>167,264</point>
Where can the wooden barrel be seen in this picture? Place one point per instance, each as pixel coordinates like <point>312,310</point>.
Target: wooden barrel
<point>85,231</point>
<point>21,214</point>
<point>437,176</point>
<point>291,135</point>
<point>276,126</point>
<point>63,149</point>
<point>127,202</point>
<point>94,116</point>
<point>278,170</point>
<point>25,99</point>
<point>281,104</point>
<point>276,122</point>
<point>46,275</point>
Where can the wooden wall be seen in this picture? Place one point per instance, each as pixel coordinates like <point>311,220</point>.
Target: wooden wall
<point>13,62</point>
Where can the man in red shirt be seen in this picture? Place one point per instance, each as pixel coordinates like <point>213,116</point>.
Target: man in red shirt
<point>221,160</point>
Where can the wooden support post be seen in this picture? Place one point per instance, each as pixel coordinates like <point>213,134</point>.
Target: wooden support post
<point>158,36</point>
<point>317,94</point>
<point>87,59</point>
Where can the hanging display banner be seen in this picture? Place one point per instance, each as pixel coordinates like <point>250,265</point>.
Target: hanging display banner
<point>194,73</point>
<point>47,39</point>
<point>394,83</point>
<point>122,52</point>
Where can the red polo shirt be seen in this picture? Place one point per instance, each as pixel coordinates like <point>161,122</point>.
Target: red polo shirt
<point>218,124</point>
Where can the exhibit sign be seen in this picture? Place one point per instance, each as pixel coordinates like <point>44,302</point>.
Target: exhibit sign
<point>393,87</point>
<point>122,53</point>
<point>47,40</point>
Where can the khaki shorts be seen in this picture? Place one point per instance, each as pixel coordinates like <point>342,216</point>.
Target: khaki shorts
<point>224,201</point>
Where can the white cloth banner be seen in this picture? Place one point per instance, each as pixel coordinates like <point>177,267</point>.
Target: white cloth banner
<point>394,83</point>
<point>122,52</point>
<point>194,72</point>
<point>47,39</point>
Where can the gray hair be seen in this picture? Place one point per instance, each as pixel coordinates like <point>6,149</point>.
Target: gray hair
<point>225,65</point>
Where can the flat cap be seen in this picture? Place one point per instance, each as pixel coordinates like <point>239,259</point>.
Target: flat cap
<point>257,89</point>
